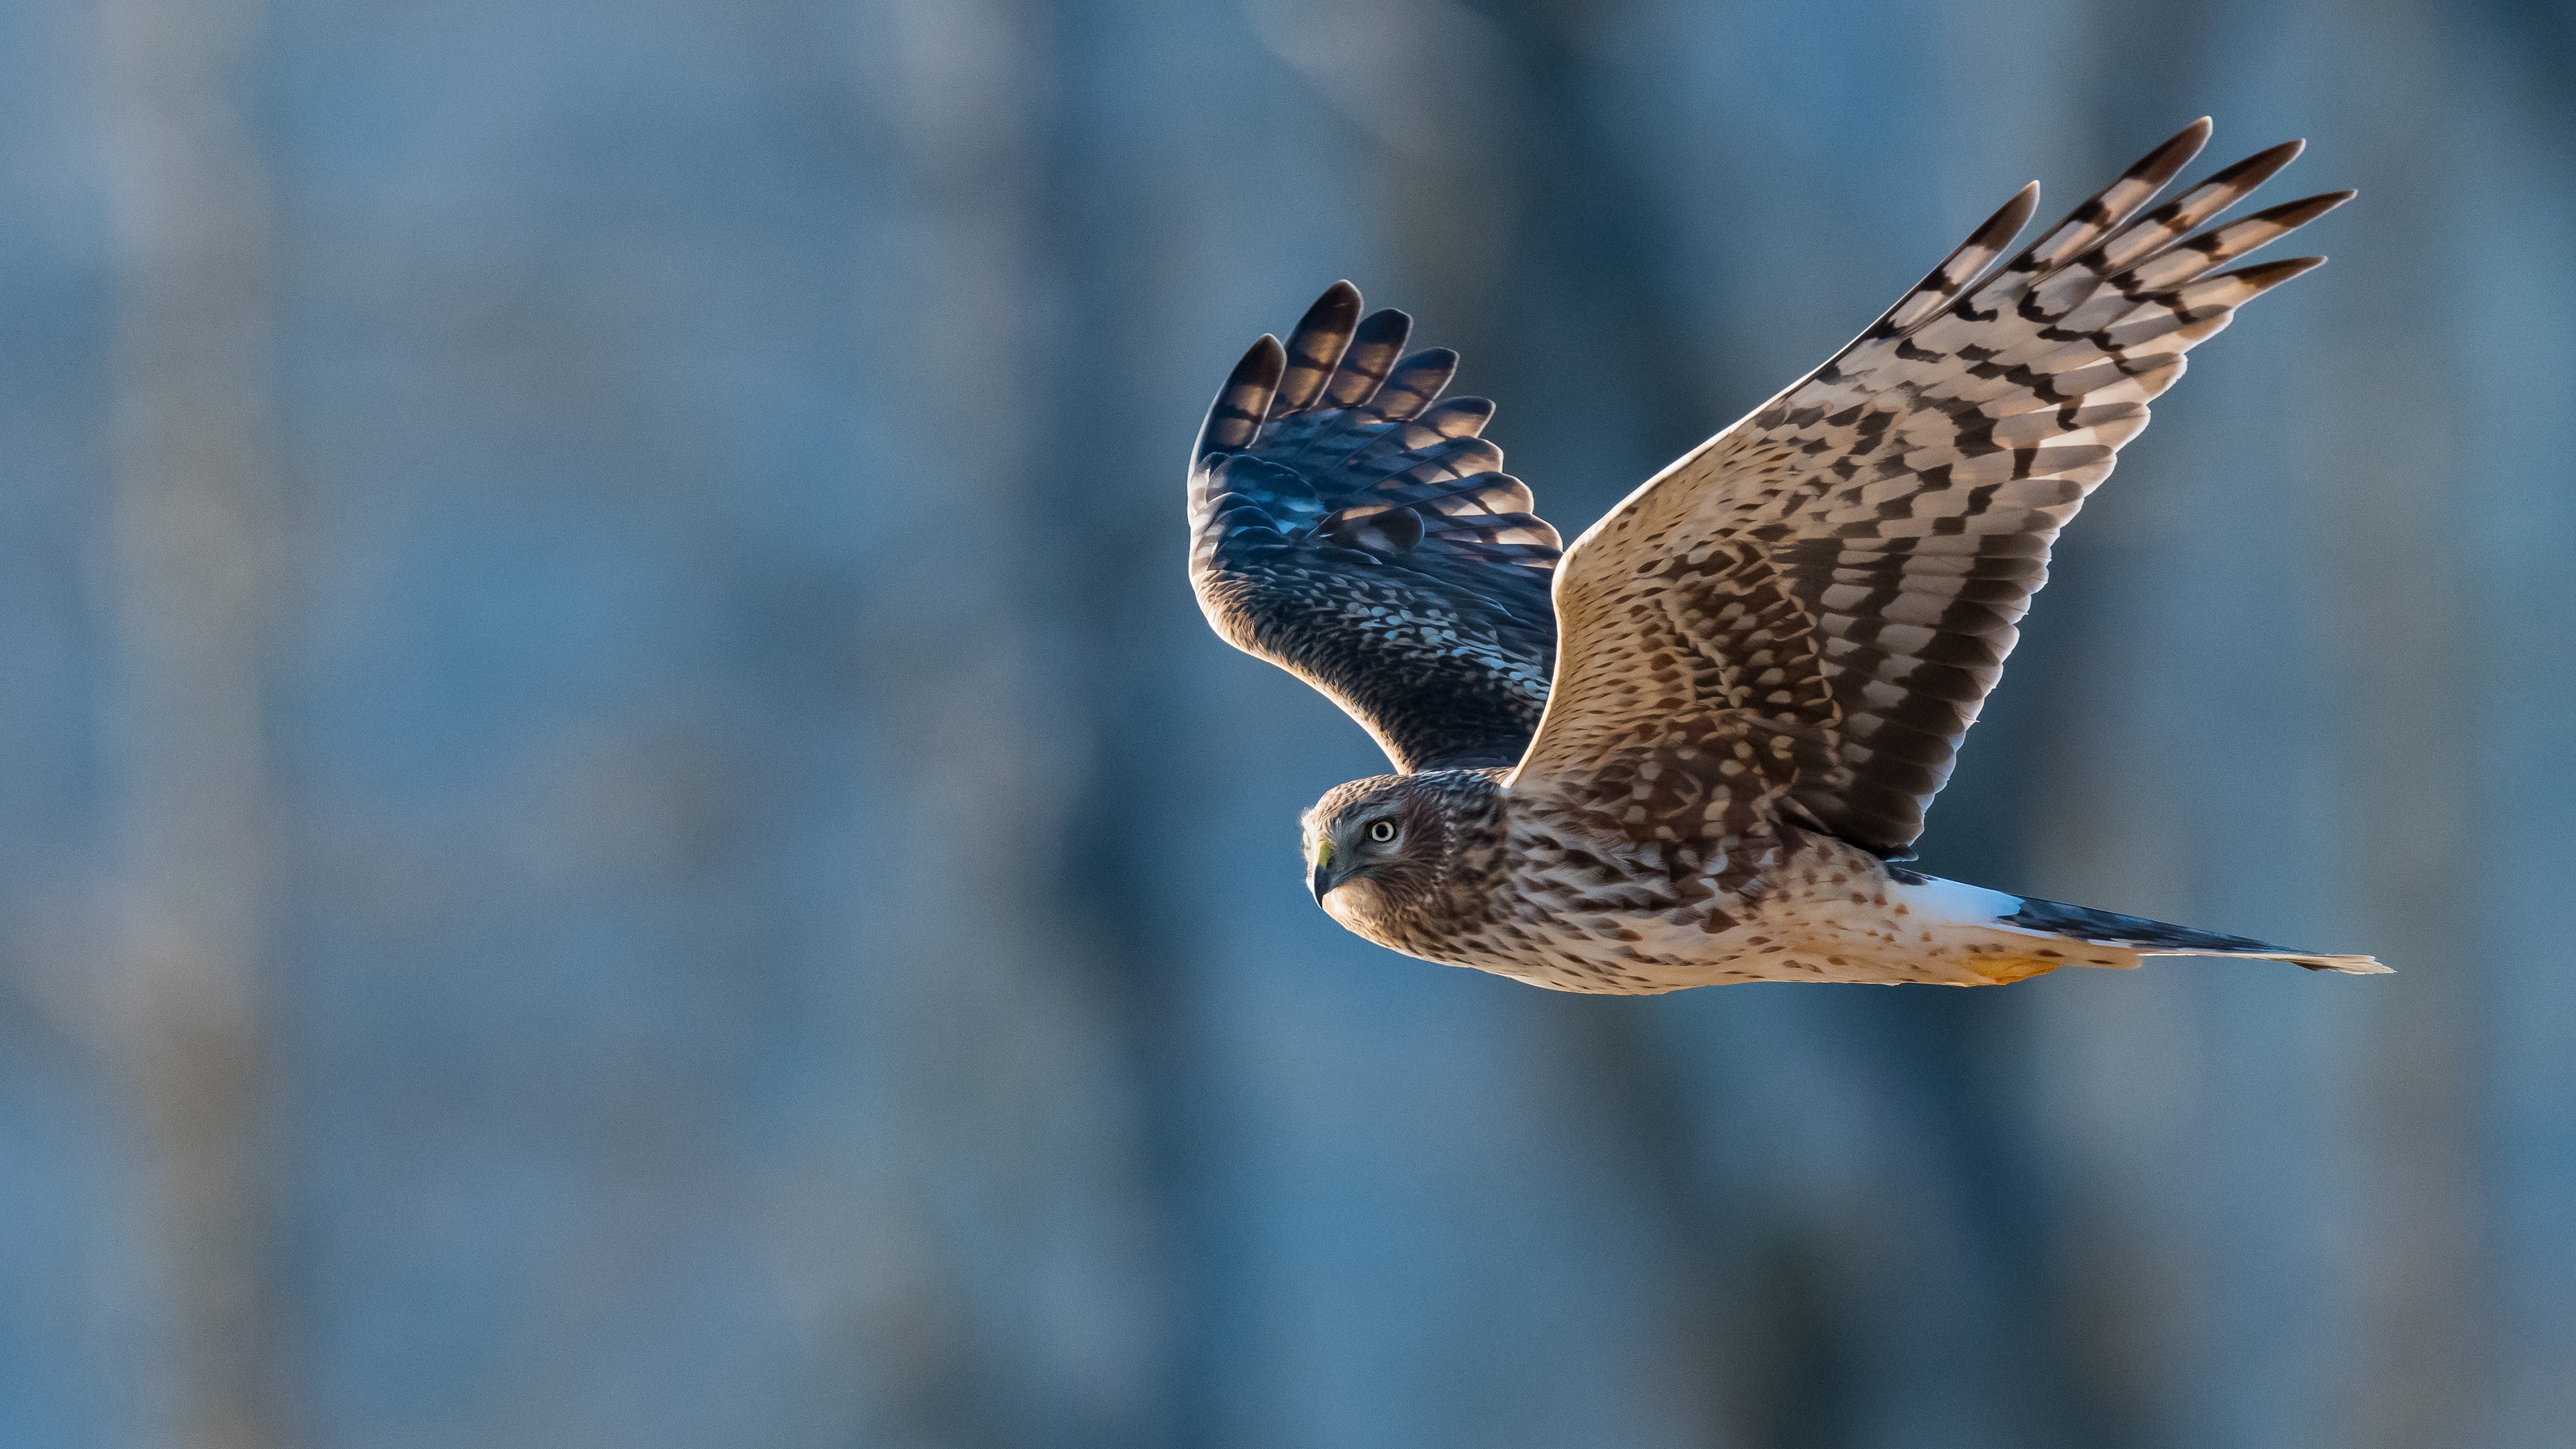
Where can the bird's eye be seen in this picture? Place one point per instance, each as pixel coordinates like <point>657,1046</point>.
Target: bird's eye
<point>1382,831</point>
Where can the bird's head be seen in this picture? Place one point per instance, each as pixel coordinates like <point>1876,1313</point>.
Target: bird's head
<point>1389,847</point>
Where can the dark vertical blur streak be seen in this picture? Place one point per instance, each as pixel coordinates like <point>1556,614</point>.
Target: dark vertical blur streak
<point>977,776</point>
<point>198,542</point>
<point>1099,167</point>
<point>2513,352</point>
<point>2388,446</point>
<point>944,318</point>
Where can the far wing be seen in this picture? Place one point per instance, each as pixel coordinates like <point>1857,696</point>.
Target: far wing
<point>1836,579</point>
<point>1351,529</point>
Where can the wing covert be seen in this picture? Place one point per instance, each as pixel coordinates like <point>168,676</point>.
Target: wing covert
<point>1353,528</point>
<point>1901,502</point>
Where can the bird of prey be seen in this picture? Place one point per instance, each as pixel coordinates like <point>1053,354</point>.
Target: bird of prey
<point>1691,748</point>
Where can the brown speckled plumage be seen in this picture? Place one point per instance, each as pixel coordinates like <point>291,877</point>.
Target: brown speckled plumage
<point>1690,760</point>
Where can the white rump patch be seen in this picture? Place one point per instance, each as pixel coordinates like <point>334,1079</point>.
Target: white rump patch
<point>1957,903</point>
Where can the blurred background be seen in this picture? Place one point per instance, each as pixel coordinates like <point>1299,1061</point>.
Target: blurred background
<point>617,827</point>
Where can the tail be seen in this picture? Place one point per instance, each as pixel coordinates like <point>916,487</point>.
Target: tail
<point>2159,938</point>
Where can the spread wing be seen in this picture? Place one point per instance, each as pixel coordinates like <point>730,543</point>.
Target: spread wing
<point>1351,528</point>
<point>1808,610</point>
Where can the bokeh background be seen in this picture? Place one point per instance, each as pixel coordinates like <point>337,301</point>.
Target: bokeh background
<point>617,827</point>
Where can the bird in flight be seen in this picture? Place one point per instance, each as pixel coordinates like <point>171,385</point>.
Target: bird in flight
<point>1691,748</point>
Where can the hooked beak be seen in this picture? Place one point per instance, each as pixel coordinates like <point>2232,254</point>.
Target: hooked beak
<point>1321,879</point>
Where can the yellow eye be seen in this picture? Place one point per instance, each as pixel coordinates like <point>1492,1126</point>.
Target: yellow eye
<point>1382,831</point>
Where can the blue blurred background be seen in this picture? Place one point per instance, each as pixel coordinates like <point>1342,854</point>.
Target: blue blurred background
<point>617,827</point>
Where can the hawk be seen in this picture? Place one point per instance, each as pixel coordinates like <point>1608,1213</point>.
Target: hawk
<point>1693,747</point>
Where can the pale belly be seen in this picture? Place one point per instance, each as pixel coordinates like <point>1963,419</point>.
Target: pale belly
<point>1861,928</point>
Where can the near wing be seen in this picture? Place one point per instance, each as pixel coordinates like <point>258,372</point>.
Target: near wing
<point>1829,587</point>
<point>1349,528</point>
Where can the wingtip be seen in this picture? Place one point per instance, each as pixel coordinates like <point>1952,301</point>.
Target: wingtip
<point>1335,310</point>
<point>2175,151</point>
<point>1242,405</point>
<point>2266,275</point>
<point>1264,347</point>
<point>2346,965</point>
<point>2006,224</point>
<point>2009,218</point>
<point>2241,178</point>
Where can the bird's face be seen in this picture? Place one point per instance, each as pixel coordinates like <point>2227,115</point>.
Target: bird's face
<point>1373,848</point>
